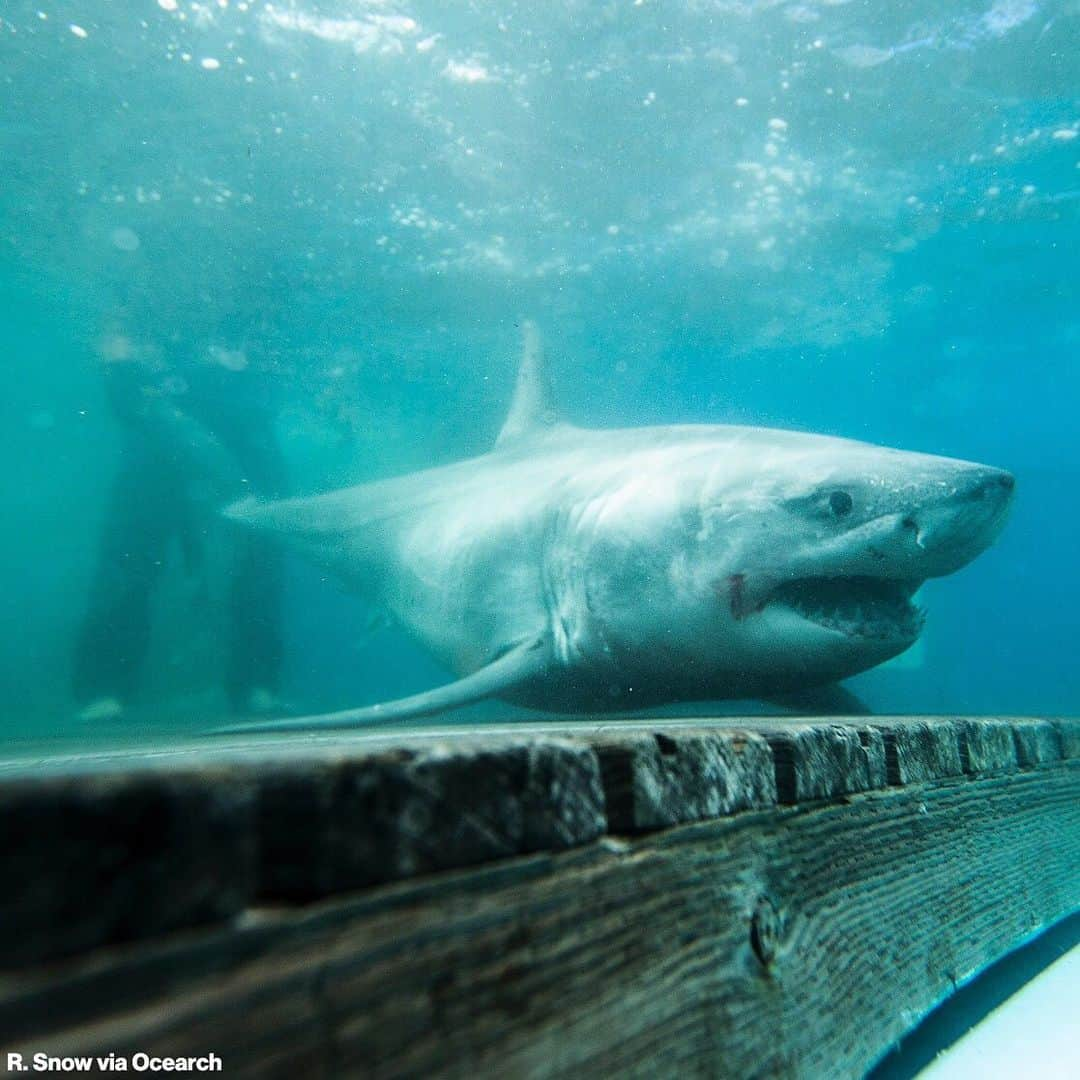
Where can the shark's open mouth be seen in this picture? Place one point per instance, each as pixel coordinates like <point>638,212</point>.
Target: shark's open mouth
<point>862,607</point>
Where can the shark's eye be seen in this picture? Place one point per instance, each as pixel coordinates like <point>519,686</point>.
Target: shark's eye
<point>840,503</point>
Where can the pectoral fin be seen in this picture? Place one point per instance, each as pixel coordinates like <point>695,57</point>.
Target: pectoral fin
<point>520,663</point>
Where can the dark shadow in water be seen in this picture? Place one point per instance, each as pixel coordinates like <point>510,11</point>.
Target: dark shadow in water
<point>955,1016</point>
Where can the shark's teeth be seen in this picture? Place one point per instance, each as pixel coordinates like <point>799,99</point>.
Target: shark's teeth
<point>863,607</point>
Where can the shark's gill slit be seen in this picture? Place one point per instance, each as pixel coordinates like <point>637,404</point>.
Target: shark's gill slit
<point>737,585</point>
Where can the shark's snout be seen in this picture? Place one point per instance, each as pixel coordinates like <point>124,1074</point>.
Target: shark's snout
<point>988,483</point>
<point>951,530</point>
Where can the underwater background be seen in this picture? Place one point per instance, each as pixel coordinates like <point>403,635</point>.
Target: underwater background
<point>857,218</point>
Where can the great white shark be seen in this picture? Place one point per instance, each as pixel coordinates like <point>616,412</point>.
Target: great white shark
<point>576,570</point>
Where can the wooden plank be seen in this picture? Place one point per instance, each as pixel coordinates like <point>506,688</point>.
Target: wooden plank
<point>792,942</point>
<point>158,850</point>
<point>1038,742</point>
<point>921,750</point>
<point>655,779</point>
<point>1068,729</point>
<point>301,819</point>
<point>109,858</point>
<point>987,746</point>
<point>739,897</point>
<point>331,826</point>
<point>823,760</point>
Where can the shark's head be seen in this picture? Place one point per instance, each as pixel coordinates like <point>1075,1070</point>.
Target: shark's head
<point>789,558</point>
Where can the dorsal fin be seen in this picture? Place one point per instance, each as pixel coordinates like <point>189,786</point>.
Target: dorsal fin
<point>531,410</point>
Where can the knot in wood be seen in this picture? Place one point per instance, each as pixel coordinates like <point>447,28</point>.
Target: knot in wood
<point>766,927</point>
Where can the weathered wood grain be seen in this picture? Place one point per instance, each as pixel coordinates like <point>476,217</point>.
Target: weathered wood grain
<point>987,746</point>
<point>653,780</point>
<point>108,858</point>
<point>102,858</point>
<point>1068,729</point>
<point>731,898</point>
<point>921,750</point>
<point>331,826</point>
<point>822,760</point>
<point>1038,742</point>
<point>791,942</point>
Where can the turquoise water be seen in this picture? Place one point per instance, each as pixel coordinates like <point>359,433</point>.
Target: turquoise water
<point>851,218</point>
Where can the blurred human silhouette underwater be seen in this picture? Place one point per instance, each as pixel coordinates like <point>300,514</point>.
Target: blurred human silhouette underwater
<point>196,430</point>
